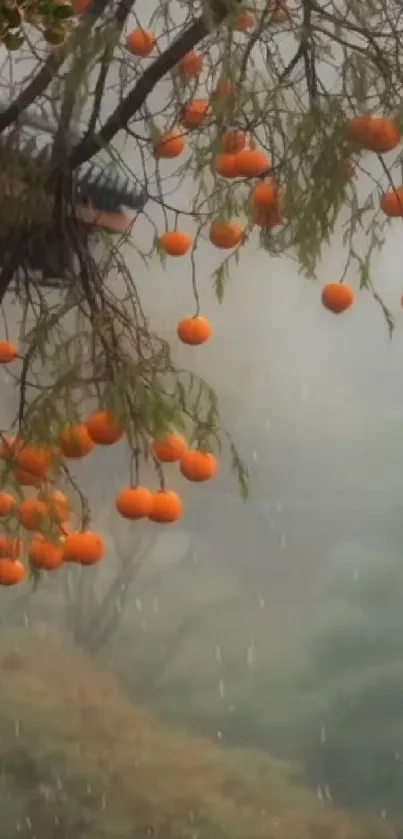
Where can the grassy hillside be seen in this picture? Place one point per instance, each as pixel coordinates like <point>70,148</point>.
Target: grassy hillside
<point>78,761</point>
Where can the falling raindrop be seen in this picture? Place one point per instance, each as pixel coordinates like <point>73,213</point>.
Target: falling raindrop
<point>17,728</point>
<point>323,734</point>
<point>254,456</point>
<point>251,654</point>
<point>155,604</point>
<point>139,605</point>
<point>45,791</point>
<point>262,602</point>
<point>219,735</point>
<point>218,653</point>
<point>221,689</point>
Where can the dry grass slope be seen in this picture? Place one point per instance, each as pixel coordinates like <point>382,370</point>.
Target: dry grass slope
<point>78,761</point>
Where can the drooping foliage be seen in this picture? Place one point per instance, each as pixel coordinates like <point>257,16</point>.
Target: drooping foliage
<point>267,124</point>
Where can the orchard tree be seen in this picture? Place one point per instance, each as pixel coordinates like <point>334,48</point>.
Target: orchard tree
<point>282,122</point>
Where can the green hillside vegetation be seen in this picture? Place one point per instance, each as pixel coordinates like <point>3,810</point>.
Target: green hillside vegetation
<point>79,761</point>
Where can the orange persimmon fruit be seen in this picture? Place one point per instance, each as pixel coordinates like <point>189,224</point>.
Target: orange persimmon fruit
<point>190,66</point>
<point>226,165</point>
<point>225,234</point>
<point>337,297</point>
<point>169,145</point>
<point>243,22</point>
<point>134,502</point>
<point>169,448</point>
<point>43,554</point>
<point>194,113</point>
<point>12,571</point>
<point>75,442</point>
<point>198,466</point>
<point>373,133</point>
<point>103,428</point>
<point>10,546</point>
<point>175,243</point>
<point>252,163</point>
<point>84,547</point>
<point>8,352</point>
<point>392,202</point>
<point>140,42</point>
<point>194,330</point>
<point>26,479</point>
<point>36,460</point>
<point>166,507</point>
<point>264,196</point>
<point>32,513</point>
<point>7,504</point>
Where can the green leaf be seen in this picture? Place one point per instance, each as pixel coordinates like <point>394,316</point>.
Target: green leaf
<point>220,279</point>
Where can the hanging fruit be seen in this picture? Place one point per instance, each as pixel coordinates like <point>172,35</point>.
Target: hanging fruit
<point>103,428</point>
<point>140,42</point>
<point>337,297</point>
<point>166,507</point>
<point>194,331</point>
<point>198,466</point>
<point>169,448</point>
<point>134,502</point>
<point>175,243</point>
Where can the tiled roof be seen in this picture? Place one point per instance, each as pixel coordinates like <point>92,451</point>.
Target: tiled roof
<point>96,182</point>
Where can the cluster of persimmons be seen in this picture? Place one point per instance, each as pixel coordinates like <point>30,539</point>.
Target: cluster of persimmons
<point>239,159</point>
<point>45,515</point>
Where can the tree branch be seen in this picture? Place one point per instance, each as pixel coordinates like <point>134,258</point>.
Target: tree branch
<point>132,103</point>
<point>121,16</point>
